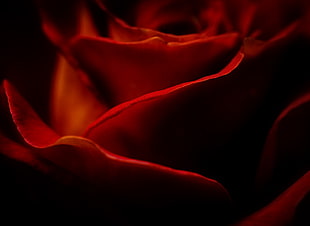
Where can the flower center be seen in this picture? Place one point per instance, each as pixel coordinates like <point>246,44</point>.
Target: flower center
<point>173,17</point>
<point>178,17</point>
<point>181,27</point>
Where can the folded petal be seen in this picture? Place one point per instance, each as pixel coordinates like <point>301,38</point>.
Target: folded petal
<point>241,14</point>
<point>207,125</point>
<point>128,70</point>
<point>286,153</point>
<point>284,12</point>
<point>72,177</point>
<point>91,182</point>
<point>32,129</point>
<point>63,20</point>
<point>128,188</point>
<point>282,210</point>
<point>121,31</point>
<point>172,126</point>
<point>179,18</point>
<point>74,103</point>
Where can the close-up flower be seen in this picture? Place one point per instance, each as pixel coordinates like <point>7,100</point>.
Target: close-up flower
<point>155,112</point>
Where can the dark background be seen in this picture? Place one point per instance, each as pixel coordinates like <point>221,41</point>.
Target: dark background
<point>26,56</point>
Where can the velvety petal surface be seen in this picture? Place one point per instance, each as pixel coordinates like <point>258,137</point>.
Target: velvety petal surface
<point>28,123</point>
<point>79,181</point>
<point>119,30</point>
<point>264,18</point>
<point>286,156</point>
<point>169,126</point>
<point>255,51</point>
<point>106,187</point>
<point>74,102</point>
<point>63,20</point>
<point>283,13</point>
<point>207,125</point>
<point>282,210</point>
<point>135,191</point>
<point>181,19</point>
<point>127,70</point>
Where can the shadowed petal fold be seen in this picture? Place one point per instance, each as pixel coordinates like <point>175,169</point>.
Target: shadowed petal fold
<point>282,210</point>
<point>73,177</point>
<point>286,153</point>
<point>74,104</point>
<point>128,70</point>
<point>33,130</point>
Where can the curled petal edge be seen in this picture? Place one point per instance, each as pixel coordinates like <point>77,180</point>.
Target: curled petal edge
<point>93,164</point>
<point>150,96</point>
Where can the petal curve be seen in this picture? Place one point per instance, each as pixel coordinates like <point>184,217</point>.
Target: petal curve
<point>33,130</point>
<point>128,70</point>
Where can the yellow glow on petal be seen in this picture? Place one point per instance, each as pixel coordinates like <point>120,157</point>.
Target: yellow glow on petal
<point>73,104</point>
<point>86,24</point>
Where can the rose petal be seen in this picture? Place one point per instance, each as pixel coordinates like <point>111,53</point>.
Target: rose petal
<point>207,126</point>
<point>128,70</point>
<point>284,13</point>
<point>281,211</point>
<point>180,17</point>
<point>172,17</point>
<point>73,104</point>
<point>63,20</point>
<point>173,126</point>
<point>286,156</point>
<point>241,14</point>
<point>113,188</point>
<point>106,186</point>
<point>137,187</point>
<point>120,31</point>
<point>33,130</point>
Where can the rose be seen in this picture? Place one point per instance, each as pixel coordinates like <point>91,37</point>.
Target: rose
<point>188,124</point>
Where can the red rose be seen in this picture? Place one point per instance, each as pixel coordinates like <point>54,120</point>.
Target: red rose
<point>160,113</point>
